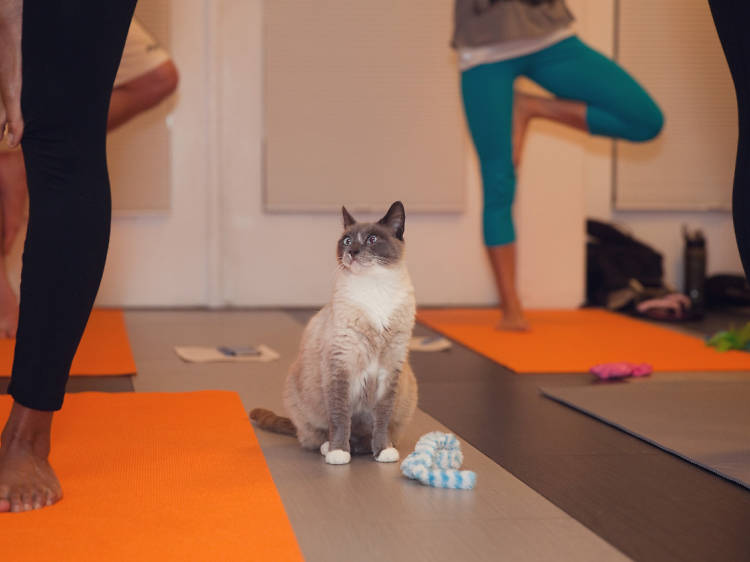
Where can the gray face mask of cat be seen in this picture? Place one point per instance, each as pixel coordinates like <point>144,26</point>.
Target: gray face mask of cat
<point>364,245</point>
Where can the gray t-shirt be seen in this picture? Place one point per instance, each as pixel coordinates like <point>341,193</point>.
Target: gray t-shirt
<point>479,22</point>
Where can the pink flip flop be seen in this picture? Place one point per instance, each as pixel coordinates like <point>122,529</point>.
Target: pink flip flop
<point>621,370</point>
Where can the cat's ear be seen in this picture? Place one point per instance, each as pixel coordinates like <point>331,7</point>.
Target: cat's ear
<point>395,219</point>
<point>348,219</point>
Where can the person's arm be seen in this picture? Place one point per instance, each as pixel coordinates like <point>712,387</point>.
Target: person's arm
<point>11,13</point>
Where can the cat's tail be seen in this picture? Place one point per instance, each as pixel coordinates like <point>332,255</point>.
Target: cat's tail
<point>266,419</point>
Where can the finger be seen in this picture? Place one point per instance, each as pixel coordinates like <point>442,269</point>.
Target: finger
<point>15,130</point>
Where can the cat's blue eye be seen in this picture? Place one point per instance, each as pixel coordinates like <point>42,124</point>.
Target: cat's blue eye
<point>372,239</point>
<point>347,241</point>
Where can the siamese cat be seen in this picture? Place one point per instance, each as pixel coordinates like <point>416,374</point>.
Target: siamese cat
<point>351,389</point>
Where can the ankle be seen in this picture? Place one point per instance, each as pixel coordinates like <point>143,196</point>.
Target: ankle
<point>512,306</point>
<point>27,429</point>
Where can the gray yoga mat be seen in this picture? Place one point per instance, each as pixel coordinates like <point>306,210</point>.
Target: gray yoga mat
<point>705,422</point>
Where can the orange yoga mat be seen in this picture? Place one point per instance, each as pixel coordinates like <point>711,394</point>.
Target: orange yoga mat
<point>104,349</point>
<point>154,477</point>
<point>572,341</point>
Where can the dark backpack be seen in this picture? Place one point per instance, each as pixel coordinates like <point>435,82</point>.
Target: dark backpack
<point>613,258</point>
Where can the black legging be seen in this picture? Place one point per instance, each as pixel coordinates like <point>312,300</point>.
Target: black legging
<point>731,18</point>
<point>71,50</point>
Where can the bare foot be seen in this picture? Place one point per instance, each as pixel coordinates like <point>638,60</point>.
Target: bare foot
<point>27,480</point>
<point>524,108</point>
<point>10,70</point>
<point>513,320</point>
<point>13,193</point>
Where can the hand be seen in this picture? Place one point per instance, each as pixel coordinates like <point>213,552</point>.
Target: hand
<point>11,120</point>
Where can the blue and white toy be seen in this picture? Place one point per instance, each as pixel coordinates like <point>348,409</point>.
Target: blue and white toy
<point>435,462</point>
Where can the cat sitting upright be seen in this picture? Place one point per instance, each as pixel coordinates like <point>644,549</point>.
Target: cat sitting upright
<point>351,389</point>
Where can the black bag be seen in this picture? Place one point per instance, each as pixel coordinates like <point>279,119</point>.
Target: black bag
<point>727,290</point>
<point>613,259</point>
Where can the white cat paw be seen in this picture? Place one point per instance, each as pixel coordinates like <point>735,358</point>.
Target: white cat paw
<point>388,455</point>
<point>324,448</point>
<point>338,457</point>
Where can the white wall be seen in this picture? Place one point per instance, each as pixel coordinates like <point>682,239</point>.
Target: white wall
<point>289,259</point>
<point>162,259</point>
<point>660,229</point>
<point>218,247</point>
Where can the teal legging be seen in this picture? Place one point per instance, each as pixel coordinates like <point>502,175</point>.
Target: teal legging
<point>617,106</point>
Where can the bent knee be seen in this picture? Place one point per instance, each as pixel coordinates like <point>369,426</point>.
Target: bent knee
<point>166,78</point>
<point>153,86</point>
<point>649,125</point>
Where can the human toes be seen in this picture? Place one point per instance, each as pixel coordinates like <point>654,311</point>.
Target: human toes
<point>16,503</point>
<point>4,499</point>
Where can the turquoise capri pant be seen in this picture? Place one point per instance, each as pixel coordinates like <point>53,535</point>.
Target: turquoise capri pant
<point>616,106</point>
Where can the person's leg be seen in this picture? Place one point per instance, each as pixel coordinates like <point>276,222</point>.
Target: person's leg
<point>527,107</point>
<point>128,100</point>
<point>12,206</point>
<point>12,196</point>
<point>141,93</point>
<point>731,19</point>
<point>69,214</point>
<point>594,94</point>
<point>488,102</point>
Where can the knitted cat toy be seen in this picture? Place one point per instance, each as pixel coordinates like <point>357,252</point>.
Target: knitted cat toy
<point>435,462</point>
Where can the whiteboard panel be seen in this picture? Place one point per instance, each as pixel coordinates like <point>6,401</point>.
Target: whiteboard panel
<point>361,106</point>
<point>138,153</point>
<point>671,47</point>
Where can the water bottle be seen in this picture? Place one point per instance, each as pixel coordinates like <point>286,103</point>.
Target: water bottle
<point>695,270</point>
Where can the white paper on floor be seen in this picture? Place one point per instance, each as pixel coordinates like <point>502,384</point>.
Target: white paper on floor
<point>202,354</point>
<point>429,343</point>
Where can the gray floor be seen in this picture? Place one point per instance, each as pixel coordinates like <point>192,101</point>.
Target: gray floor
<point>363,511</point>
<point>706,422</point>
<point>648,503</point>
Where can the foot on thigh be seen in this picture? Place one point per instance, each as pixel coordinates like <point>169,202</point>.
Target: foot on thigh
<point>523,111</point>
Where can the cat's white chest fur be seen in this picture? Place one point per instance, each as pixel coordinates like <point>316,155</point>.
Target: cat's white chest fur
<point>368,386</point>
<point>378,292</point>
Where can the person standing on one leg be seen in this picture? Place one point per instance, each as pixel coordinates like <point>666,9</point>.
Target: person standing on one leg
<point>146,76</point>
<point>58,61</point>
<point>498,41</point>
<point>731,18</point>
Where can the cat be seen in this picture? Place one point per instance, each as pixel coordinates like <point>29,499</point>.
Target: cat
<point>351,389</point>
